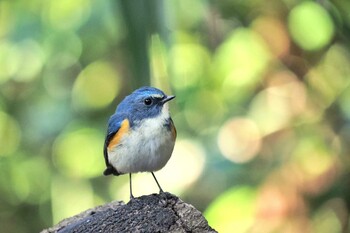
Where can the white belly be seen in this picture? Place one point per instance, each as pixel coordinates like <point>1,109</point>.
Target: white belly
<point>144,149</point>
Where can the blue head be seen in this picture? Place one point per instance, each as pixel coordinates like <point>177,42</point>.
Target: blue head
<point>143,103</point>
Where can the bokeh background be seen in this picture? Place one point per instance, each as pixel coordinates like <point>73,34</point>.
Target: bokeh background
<point>262,108</point>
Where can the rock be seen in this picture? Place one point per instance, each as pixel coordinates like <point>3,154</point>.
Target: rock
<point>163,212</point>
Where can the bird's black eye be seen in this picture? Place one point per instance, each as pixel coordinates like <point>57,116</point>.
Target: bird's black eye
<point>148,101</point>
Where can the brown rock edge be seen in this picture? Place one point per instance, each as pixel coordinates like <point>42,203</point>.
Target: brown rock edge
<point>163,212</point>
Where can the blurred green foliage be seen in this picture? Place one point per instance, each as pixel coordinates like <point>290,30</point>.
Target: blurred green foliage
<point>262,108</point>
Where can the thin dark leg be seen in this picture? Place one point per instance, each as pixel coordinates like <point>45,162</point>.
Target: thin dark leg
<point>160,188</point>
<point>131,196</point>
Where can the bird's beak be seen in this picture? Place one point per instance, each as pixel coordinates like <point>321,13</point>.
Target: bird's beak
<point>168,98</point>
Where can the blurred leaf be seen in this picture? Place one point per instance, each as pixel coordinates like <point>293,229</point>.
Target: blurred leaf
<point>233,210</point>
<point>69,197</point>
<point>311,26</point>
<point>10,134</point>
<point>96,86</point>
<point>78,153</point>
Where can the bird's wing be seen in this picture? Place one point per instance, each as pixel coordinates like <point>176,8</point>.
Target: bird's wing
<point>118,125</point>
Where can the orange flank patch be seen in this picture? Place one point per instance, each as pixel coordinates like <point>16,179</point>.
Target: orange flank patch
<point>173,129</point>
<point>124,128</point>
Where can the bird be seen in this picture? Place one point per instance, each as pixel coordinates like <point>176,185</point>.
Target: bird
<point>140,135</point>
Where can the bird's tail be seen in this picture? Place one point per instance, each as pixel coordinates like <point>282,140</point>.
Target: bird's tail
<point>111,170</point>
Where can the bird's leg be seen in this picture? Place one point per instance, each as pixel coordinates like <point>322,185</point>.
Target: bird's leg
<point>131,196</point>
<point>160,188</point>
